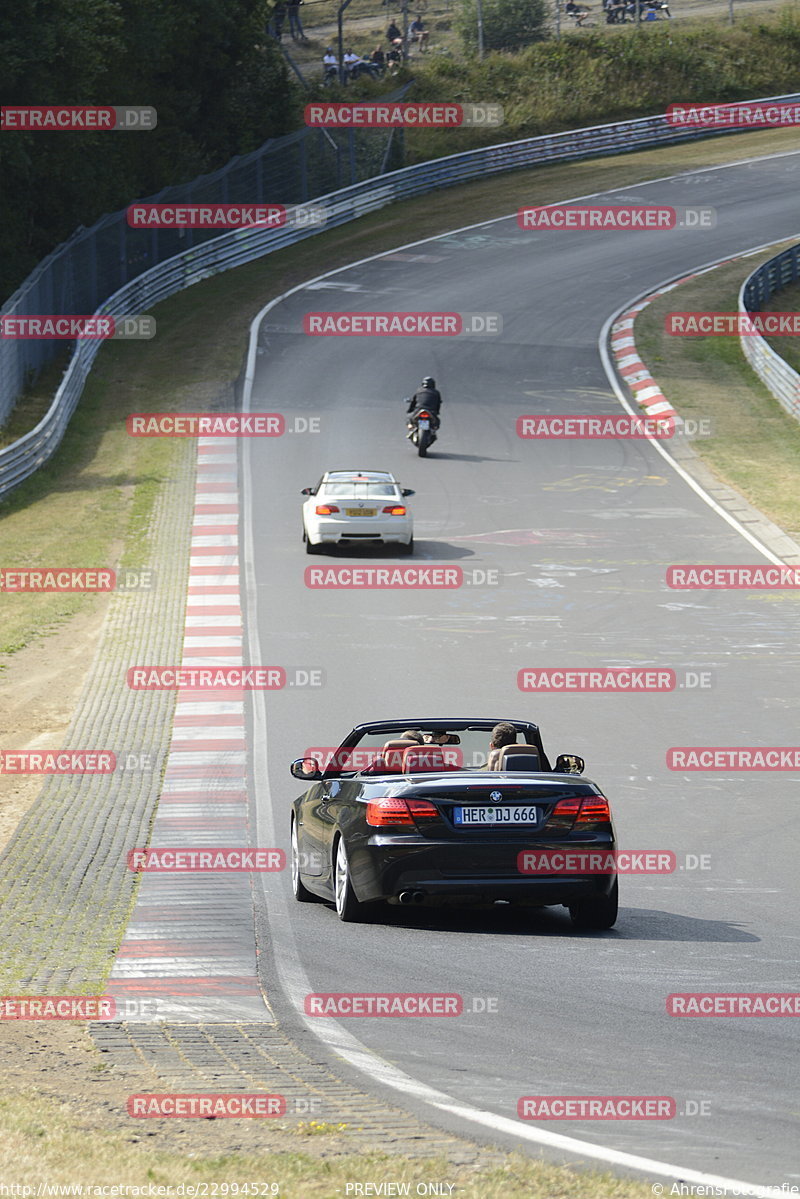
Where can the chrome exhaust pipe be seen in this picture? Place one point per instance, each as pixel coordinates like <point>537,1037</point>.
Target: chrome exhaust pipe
<point>406,897</point>
<point>418,896</point>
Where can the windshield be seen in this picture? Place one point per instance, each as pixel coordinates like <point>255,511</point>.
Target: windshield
<point>466,750</point>
<point>374,491</point>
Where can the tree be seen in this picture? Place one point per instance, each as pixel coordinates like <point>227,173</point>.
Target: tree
<point>219,86</point>
<point>507,24</point>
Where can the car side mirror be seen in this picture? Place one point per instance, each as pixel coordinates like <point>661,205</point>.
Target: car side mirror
<point>307,769</point>
<point>569,764</point>
<point>307,491</point>
<point>408,491</point>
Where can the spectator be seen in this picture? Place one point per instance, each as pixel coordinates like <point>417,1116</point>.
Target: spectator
<point>295,24</point>
<point>378,57</point>
<point>393,36</point>
<point>275,26</point>
<point>357,65</point>
<point>330,64</point>
<point>418,32</point>
<point>574,10</point>
<point>394,60</point>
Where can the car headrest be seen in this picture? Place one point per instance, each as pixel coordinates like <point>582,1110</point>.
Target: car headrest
<point>419,758</point>
<point>515,757</point>
<point>391,756</point>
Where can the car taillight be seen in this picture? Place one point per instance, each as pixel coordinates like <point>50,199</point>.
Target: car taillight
<point>392,810</point>
<point>592,809</point>
<point>395,510</point>
<point>595,808</point>
<point>326,509</point>
<point>423,809</point>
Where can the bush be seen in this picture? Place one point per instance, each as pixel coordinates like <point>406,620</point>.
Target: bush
<point>588,78</point>
<point>507,24</point>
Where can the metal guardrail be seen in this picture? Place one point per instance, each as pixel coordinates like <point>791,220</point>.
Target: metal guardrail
<point>781,379</point>
<point>20,460</point>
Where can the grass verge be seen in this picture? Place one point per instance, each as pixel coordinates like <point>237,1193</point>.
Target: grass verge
<point>755,445</point>
<point>45,1141</point>
<point>786,300</point>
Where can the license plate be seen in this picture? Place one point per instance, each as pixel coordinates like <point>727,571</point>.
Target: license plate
<point>424,424</point>
<point>495,817</point>
<point>360,511</point>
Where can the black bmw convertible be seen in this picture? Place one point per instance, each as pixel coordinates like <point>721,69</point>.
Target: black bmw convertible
<point>451,811</point>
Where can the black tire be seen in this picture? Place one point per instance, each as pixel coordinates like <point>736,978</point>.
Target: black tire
<point>348,908</point>
<point>424,442</point>
<point>406,550</point>
<point>596,911</point>
<point>312,549</point>
<point>300,892</point>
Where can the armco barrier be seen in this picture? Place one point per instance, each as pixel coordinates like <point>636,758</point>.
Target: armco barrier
<point>779,377</point>
<point>20,460</point>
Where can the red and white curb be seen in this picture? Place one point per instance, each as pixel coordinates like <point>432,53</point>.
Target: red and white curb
<point>630,367</point>
<point>189,951</point>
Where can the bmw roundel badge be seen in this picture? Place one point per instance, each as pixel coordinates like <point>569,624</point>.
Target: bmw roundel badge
<point>496,796</point>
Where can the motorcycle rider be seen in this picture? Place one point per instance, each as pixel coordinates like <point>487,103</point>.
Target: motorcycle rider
<point>427,397</point>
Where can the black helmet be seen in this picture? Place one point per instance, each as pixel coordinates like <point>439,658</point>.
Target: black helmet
<point>428,381</point>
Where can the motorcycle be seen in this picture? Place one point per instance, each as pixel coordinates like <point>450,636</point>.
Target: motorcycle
<point>423,425</point>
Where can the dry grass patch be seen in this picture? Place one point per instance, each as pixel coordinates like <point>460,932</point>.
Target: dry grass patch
<point>755,445</point>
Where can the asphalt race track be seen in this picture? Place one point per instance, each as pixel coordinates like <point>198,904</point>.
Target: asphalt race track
<point>581,533</point>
